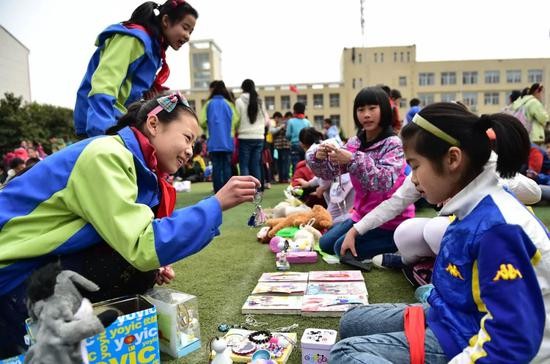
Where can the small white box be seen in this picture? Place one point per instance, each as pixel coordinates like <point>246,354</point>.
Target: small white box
<point>316,345</point>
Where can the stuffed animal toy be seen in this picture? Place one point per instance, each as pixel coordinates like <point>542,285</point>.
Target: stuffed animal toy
<point>62,316</point>
<point>319,216</point>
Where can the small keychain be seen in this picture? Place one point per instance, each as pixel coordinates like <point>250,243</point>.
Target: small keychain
<point>258,217</point>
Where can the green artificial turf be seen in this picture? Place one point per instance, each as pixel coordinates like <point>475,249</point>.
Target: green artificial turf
<point>224,273</point>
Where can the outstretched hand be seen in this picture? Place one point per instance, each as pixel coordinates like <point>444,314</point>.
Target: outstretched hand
<point>349,243</point>
<point>237,190</point>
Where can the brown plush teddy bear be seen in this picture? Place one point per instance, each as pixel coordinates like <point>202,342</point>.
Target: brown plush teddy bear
<point>320,215</point>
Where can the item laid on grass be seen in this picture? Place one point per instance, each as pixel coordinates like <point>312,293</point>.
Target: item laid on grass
<point>327,305</point>
<point>281,262</point>
<point>178,321</point>
<point>350,260</point>
<point>284,277</point>
<point>279,345</point>
<point>299,257</point>
<point>335,275</point>
<point>316,345</point>
<point>337,288</point>
<point>281,288</point>
<point>280,305</point>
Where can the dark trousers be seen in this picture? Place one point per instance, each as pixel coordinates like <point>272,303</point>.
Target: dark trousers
<point>221,168</point>
<point>283,164</point>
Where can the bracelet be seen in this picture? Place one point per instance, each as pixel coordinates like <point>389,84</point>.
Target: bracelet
<point>260,337</point>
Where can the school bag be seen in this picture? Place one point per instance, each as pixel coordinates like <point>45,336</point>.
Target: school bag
<point>420,273</point>
<point>521,114</point>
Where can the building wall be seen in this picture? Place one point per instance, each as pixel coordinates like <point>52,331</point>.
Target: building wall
<point>14,66</point>
<point>397,67</point>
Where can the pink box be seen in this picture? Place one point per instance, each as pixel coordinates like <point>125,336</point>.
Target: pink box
<point>316,345</point>
<point>300,257</point>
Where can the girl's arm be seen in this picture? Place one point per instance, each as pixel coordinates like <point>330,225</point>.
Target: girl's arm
<point>405,195</point>
<point>120,51</point>
<point>524,188</point>
<point>509,294</point>
<point>378,174</point>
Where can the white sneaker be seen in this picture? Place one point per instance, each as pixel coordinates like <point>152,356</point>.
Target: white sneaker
<point>377,261</point>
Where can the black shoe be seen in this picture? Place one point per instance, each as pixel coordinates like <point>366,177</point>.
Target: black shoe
<point>349,259</point>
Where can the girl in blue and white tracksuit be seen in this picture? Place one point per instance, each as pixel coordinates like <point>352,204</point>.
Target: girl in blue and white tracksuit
<point>491,296</point>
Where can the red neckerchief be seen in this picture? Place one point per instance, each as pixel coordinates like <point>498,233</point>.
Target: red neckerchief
<point>167,191</point>
<point>300,116</point>
<point>164,72</point>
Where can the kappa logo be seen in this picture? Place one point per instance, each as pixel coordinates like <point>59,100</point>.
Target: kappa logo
<point>507,272</point>
<point>453,270</point>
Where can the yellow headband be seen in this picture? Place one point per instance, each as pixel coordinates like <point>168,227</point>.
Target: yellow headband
<point>431,128</point>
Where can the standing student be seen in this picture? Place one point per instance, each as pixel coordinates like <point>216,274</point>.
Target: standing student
<point>253,120</point>
<point>219,118</point>
<point>293,127</point>
<point>491,300</point>
<point>104,209</point>
<point>375,162</point>
<point>282,145</point>
<point>123,69</point>
<point>534,110</point>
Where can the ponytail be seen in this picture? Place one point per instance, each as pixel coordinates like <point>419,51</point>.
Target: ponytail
<point>129,119</point>
<point>253,103</point>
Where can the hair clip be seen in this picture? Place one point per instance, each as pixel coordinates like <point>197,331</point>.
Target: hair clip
<point>156,10</point>
<point>168,103</point>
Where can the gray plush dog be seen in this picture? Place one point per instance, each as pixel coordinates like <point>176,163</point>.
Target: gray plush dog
<point>63,317</point>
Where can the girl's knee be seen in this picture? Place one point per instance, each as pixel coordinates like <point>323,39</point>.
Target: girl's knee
<point>326,245</point>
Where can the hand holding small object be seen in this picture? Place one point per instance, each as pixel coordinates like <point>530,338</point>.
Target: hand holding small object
<point>237,190</point>
<point>165,275</point>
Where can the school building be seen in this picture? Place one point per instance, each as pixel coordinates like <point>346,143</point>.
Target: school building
<point>483,85</point>
<point>14,66</point>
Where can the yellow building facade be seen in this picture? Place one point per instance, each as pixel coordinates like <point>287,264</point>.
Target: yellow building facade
<point>483,85</point>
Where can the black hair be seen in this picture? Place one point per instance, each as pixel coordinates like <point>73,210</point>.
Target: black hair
<point>512,140</point>
<point>373,96</point>
<point>218,88</point>
<point>327,121</point>
<point>176,10</point>
<point>395,94</point>
<point>16,162</point>
<point>414,102</point>
<point>514,95</point>
<point>299,108</point>
<point>253,102</point>
<point>525,92</point>
<point>277,114</point>
<point>535,88</point>
<point>310,136</point>
<point>136,115</point>
<point>289,114</point>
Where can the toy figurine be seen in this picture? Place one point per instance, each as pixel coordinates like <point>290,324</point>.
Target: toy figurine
<point>219,345</point>
<point>282,262</point>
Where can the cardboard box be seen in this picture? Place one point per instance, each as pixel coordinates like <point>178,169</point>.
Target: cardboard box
<point>316,345</point>
<point>131,339</point>
<point>178,321</point>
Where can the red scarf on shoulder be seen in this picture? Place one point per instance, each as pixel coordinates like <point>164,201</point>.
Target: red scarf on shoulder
<point>167,191</point>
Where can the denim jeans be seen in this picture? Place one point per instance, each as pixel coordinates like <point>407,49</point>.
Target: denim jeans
<point>375,334</point>
<point>221,168</point>
<point>375,241</point>
<point>296,154</point>
<point>283,164</point>
<point>250,157</point>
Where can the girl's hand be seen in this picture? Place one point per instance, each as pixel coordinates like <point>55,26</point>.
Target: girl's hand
<point>237,190</point>
<point>349,243</point>
<point>302,182</point>
<point>340,156</point>
<point>322,152</point>
<point>165,275</point>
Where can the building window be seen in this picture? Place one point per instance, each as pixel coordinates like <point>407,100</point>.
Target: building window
<point>201,61</point>
<point>192,104</point>
<point>490,98</point>
<point>513,76</point>
<point>470,99</point>
<point>334,100</point>
<point>448,78</point>
<point>394,57</point>
<point>426,79</point>
<point>403,103</point>
<point>402,81</point>
<point>469,78</point>
<point>408,57</point>
<point>426,99</point>
<point>448,97</point>
<point>360,57</point>
<point>318,121</point>
<point>203,102</point>
<point>382,57</point>
<point>401,57</point>
<point>534,76</point>
<point>360,82</point>
<point>302,99</point>
<point>353,84</point>
<point>285,103</point>
<point>270,103</point>
<point>492,76</point>
<point>375,57</point>
<point>318,101</point>
<point>335,120</point>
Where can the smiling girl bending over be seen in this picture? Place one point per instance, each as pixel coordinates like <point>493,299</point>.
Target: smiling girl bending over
<point>103,209</point>
<point>491,300</point>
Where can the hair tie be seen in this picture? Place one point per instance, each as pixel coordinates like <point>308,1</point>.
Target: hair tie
<point>156,10</point>
<point>484,122</point>
<point>175,3</point>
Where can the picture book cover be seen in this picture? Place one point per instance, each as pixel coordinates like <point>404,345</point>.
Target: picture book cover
<point>238,344</point>
<point>284,277</point>
<point>283,305</point>
<point>327,305</point>
<point>337,288</point>
<point>280,288</point>
<point>336,276</point>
